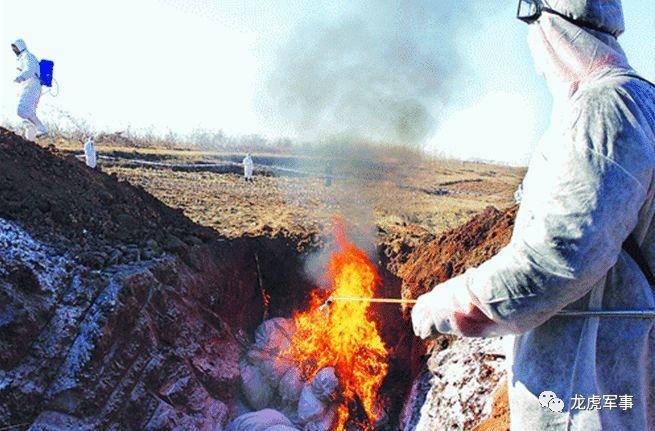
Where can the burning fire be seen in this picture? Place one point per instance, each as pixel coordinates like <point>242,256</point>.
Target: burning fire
<point>344,336</point>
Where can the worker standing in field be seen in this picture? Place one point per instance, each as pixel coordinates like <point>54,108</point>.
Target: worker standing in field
<point>90,153</point>
<point>584,239</point>
<point>248,166</point>
<point>30,81</point>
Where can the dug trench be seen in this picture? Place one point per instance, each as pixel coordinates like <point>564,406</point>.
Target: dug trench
<point>117,312</point>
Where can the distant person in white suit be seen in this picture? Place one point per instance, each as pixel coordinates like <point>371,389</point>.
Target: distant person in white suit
<point>30,81</point>
<point>90,153</point>
<point>248,166</point>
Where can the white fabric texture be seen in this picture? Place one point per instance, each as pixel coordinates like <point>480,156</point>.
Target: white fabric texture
<point>261,420</point>
<point>90,153</point>
<point>518,194</point>
<point>589,185</point>
<point>30,87</point>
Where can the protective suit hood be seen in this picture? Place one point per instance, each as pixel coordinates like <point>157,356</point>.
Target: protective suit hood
<point>569,55</point>
<point>604,15</point>
<point>20,44</point>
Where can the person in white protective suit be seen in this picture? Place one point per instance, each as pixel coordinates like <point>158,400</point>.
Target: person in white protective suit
<point>30,91</point>
<point>248,166</point>
<point>590,186</point>
<point>90,153</point>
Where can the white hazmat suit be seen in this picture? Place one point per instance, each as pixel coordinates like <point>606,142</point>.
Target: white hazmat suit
<point>90,153</point>
<point>30,89</point>
<point>248,167</point>
<point>590,184</point>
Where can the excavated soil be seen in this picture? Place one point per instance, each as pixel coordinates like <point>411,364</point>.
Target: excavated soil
<point>51,193</point>
<point>498,420</point>
<point>121,313</point>
<point>450,254</point>
<point>117,311</point>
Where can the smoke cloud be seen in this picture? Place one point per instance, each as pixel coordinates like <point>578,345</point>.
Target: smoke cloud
<point>381,71</point>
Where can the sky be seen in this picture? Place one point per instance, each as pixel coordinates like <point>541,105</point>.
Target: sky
<point>211,65</point>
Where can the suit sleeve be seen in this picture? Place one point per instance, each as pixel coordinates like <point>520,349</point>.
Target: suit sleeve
<point>28,67</point>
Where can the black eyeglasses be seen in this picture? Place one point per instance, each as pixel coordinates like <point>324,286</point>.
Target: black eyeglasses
<point>529,10</point>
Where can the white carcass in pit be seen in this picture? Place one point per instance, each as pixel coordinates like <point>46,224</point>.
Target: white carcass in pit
<point>276,398</point>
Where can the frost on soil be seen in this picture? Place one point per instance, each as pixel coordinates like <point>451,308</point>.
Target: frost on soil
<point>464,377</point>
<point>19,249</point>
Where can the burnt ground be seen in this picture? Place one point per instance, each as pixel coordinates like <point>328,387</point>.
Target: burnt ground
<point>97,221</point>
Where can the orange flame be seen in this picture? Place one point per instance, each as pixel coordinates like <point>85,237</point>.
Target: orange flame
<point>344,336</point>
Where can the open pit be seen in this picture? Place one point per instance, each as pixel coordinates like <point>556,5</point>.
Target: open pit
<point>154,344</point>
<point>118,312</point>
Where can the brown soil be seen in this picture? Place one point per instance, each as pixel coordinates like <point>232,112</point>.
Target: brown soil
<point>450,254</point>
<point>499,418</point>
<point>53,194</point>
<point>184,316</point>
<point>161,333</point>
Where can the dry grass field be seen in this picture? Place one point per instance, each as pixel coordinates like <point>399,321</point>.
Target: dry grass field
<point>385,189</point>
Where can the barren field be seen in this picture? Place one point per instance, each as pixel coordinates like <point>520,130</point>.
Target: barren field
<point>387,192</point>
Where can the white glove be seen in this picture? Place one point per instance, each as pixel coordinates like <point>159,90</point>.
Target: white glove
<point>449,309</point>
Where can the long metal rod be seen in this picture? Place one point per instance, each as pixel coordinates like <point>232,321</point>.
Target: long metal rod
<point>383,300</point>
<point>628,314</point>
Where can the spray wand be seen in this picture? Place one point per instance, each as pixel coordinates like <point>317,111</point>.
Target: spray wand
<point>634,314</point>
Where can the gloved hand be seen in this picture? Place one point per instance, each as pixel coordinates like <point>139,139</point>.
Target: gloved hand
<point>449,309</point>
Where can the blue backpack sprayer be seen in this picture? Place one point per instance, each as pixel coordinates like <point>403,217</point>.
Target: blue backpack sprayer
<point>46,74</point>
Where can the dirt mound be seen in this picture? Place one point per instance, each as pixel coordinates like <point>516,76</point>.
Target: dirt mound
<point>149,345</point>
<point>466,246</point>
<point>53,194</point>
<point>155,344</point>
